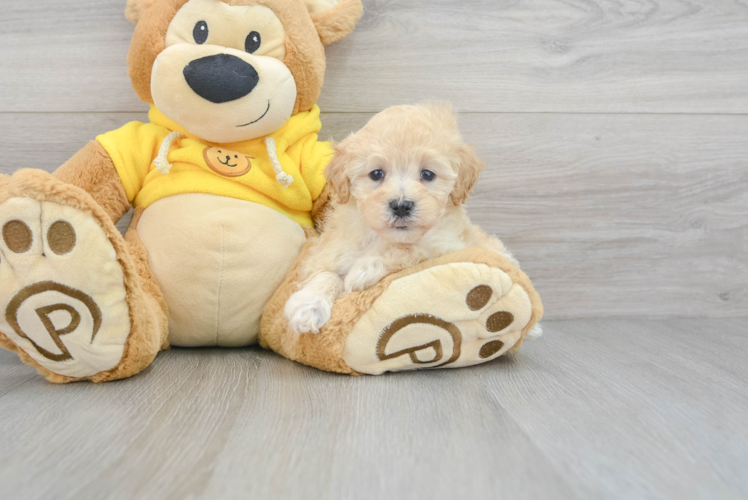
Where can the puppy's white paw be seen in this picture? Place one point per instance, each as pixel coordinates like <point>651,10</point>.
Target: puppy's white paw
<point>307,312</point>
<point>364,274</point>
<point>535,333</point>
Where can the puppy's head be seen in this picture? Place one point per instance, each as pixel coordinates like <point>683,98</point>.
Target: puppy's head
<point>403,170</point>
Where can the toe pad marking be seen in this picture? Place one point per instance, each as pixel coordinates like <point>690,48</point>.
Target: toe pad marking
<point>499,321</point>
<point>490,349</point>
<point>17,236</point>
<point>61,237</point>
<point>479,297</point>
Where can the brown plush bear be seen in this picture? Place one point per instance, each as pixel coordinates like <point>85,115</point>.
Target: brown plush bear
<point>226,179</point>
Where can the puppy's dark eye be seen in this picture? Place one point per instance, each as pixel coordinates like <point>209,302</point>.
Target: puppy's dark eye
<point>428,175</point>
<point>377,175</point>
<point>253,42</point>
<point>200,33</point>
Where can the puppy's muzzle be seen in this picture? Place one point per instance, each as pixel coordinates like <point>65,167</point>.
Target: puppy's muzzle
<point>221,78</point>
<point>402,209</point>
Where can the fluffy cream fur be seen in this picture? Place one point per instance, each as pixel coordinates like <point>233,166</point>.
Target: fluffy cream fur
<point>364,239</point>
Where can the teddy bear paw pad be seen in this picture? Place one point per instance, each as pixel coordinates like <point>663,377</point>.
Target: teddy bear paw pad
<point>467,314</point>
<point>62,293</point>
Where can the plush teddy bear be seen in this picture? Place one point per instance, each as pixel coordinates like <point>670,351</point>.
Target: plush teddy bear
<point>226,180</point>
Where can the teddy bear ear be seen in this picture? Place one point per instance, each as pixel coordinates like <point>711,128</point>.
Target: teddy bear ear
<point>135,9</point>
<point>334,19</point>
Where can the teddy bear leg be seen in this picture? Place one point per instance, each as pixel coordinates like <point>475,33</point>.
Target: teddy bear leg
<point>460,310</point>
<point>74,302</point>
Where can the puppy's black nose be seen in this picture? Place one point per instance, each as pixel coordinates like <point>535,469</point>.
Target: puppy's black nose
<point>402,208</point>
<point>221,78</point>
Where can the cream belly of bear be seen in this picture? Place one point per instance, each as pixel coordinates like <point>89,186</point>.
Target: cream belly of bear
<point>217,261</point>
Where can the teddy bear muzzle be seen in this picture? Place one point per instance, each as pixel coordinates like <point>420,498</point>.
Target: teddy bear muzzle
<point>221,78</point>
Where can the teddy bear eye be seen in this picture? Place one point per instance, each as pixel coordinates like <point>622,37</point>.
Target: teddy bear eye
<point>200,33</point>
<point>377,175</point>
<point>253,42</point>
<point>428,175</point>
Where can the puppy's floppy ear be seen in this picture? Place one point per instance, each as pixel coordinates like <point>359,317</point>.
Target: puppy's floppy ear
<point>467,174</point>
<point>135,9</point>
<point>334,19</point>
<point>336,174</point>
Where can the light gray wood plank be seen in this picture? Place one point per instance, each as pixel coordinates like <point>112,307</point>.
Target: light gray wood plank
<point>637,409</point>
<point>486,56</point>
<point>248,424</point>
<point>610,215</point>
<point>620,215</point>
<point>13,372</point>
<point>594,409</point>
<point>47,140</point>
<point>545,55</point>
<point>66,55</point>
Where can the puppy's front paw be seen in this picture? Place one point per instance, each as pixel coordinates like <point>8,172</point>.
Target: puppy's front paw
<point>307,312</point>
<point>364,274</point>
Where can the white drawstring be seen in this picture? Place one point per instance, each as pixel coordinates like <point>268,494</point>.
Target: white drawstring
<point>163,165</point>
<point>283,178</point>
<point>161,161</point>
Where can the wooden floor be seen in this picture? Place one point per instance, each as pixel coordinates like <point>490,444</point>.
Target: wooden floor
<point>627,409</point>
<point>616,137</point>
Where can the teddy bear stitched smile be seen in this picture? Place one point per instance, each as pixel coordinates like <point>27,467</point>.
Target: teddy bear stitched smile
<point>221,65</point>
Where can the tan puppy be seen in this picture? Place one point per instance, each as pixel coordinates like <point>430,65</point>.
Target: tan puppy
<point>399,187</point>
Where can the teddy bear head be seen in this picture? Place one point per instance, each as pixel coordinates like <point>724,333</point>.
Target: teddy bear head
<point>233,70</point>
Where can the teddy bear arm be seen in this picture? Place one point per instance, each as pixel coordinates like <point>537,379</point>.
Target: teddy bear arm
<point>92,170</point>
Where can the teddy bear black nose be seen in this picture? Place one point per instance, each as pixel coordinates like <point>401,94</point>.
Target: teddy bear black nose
<point>221,78</point>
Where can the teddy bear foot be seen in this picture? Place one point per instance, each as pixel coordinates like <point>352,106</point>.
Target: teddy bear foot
<point>65,294</point>
<point>460,310</point>
<point>467,314</point>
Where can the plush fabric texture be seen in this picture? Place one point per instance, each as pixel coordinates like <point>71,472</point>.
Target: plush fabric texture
<point>305,55</point>
<point>326,350</point>
<point>135,9</point>
<point>447,316</point>
<point>146,311</point>
<point>336,23</point>
<point>92,170</point>
<point>63,288</point>
<point>134,148</point>
<point>232,255</point>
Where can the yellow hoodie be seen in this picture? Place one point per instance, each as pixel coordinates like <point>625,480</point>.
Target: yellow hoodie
<point>283,171</point>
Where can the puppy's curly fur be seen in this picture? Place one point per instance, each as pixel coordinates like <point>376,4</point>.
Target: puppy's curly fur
<point>399,186</point>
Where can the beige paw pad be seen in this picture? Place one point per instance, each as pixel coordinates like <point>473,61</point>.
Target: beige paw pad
<point>447,316</point>
<point>62,294</point>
